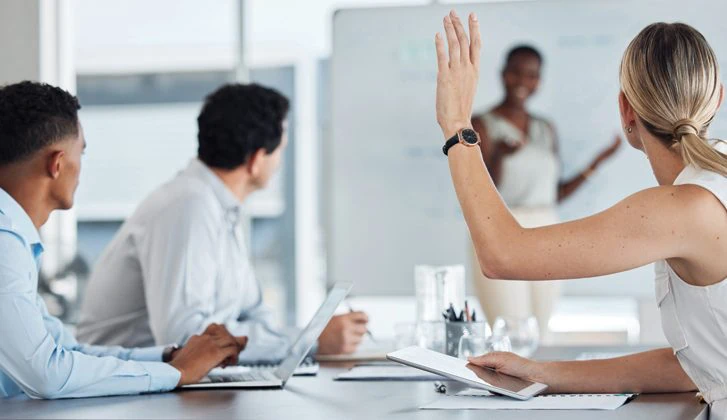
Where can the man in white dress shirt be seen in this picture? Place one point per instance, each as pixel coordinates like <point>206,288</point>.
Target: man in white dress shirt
<point>180,262</point>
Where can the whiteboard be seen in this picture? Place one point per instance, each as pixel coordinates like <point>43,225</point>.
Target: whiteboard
<point>389,199</point>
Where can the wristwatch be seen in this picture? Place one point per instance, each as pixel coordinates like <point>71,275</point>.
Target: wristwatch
<point>168,353</point>
<point>466,136</point>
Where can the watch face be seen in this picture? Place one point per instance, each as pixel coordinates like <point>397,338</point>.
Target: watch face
<point>469,136</point>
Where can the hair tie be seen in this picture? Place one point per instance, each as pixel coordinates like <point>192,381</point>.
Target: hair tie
<point>684,126</point>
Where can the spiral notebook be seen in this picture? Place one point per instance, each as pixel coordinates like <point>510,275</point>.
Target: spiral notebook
<point>474,399</point>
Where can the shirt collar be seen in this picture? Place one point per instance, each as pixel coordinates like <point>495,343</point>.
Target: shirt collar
<point>20,222</point>
<point>199,170</point>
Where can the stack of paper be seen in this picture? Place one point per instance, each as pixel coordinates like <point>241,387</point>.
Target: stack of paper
<point>472,399</point>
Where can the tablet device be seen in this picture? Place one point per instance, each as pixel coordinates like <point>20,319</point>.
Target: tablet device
<point>467,373</point>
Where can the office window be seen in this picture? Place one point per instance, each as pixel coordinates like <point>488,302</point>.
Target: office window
<point>155,138</point>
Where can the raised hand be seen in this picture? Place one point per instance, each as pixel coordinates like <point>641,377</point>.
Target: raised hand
<point>607,153</point>
<point>457,74</point>
<point>610,150</point>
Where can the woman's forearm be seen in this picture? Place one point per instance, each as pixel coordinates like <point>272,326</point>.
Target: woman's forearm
<point>488,219</point>
<point>655,371</point>
<point>494,166</point>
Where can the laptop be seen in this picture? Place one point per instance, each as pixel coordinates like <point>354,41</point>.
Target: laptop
<point>297,352</point>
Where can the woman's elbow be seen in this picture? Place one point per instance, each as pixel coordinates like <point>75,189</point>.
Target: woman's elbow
<point>494,265</point>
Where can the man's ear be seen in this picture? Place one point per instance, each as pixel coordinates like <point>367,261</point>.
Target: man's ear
<point>54,163</point>
<point>255,163</point>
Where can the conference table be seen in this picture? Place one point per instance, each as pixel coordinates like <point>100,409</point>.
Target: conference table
<point>320,397</point>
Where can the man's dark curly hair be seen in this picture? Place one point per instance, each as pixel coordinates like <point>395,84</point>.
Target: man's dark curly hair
<point>238,120</point>
<point>32,116</point>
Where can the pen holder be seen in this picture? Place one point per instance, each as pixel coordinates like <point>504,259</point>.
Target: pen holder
<point>455,330</point>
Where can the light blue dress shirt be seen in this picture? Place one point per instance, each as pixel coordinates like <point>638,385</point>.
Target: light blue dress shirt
<point>38,356</point>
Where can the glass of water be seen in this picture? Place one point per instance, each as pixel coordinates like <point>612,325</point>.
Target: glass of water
<point>523,333</point>
<point>476,345</point>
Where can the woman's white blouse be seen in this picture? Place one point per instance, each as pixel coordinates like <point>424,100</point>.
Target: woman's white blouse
<point>694,318</point>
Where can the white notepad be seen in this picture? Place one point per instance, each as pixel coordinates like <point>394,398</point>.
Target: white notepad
<point>387,373</point>
<point>473,399</point>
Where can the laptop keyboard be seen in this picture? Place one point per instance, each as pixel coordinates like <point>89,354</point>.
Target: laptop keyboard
<point>254,376</point>
<point>257,372</point>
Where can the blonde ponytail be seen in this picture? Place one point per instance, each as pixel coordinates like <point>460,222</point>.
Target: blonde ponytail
<point>697,151</point>
<point>670,75</point>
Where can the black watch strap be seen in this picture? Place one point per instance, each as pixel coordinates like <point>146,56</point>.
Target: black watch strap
<point>168,353</point>
<point>451,142</point>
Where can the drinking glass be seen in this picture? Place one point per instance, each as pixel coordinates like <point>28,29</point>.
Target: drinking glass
<point>405,335</point>
<point>456,330</point>
<point>476,345</point>
<point>523,333</point>
<point>436,288</point>
<point>430,335</point>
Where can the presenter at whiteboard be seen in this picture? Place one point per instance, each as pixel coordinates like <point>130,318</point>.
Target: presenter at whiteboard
<point>521,153</point>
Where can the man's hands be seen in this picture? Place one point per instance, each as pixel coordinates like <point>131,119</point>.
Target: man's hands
<point>457,74</point>
<point>343,333</point>
<point>215,347</point>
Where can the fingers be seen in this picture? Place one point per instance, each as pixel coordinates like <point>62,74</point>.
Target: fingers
<point>464,43</point>
<point>452,41</point>
<point>358,329</point>
<point>211,329</point>
<point>228,355</point>
<point>225,342</point>
<point>442,59</point>
<point>475,40</point>
<point>241,342</point>
<point>358,317</point>
<point>460,47</point>
<point>491,360</point>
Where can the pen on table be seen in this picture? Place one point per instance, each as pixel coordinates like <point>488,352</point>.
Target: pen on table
<point>371,336</point>
<point>467,312</point>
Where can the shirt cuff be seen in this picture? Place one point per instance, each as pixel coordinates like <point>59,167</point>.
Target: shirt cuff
<point>162,376</point>
<point>147,354</point>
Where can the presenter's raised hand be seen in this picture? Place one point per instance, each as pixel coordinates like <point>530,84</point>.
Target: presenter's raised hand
<point>458,66</point>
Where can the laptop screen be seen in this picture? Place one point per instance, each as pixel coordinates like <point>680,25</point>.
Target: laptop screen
<point>310,333</point>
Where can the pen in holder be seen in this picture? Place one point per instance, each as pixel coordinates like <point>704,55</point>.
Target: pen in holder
<point>454,330</point>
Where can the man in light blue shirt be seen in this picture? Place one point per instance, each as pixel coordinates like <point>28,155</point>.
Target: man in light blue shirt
<point>41,143</point>
<point>180,262</point>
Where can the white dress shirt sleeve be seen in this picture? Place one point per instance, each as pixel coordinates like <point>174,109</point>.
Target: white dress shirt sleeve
<point>41,365</point>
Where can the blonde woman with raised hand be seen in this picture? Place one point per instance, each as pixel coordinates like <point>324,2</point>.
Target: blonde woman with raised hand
<point>670,94</point>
